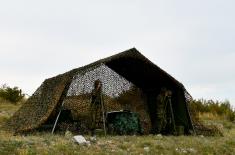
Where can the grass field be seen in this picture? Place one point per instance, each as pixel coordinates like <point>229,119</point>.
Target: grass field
<point>45,143</point>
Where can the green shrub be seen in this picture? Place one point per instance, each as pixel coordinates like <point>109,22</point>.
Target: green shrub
<point>231,116</point>
<point>221,108</point>
<point>12,95</point>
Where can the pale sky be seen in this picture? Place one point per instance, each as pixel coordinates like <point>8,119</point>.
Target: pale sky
<point>193,40</point>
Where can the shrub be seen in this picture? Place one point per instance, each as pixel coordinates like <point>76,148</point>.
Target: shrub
<point>221,108</point>
<point>13,95</point>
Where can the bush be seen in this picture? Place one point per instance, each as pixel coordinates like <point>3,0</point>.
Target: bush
<point>220,108</point>
<point>231,116</point>
<point>12,95</point>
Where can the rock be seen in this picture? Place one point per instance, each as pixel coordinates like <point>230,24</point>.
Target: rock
<point>93,139</point>
<point>109,142</point>
<point>146,149</point>
<point>159,135</point>
<point>192,150</point>
<point>81,140</point>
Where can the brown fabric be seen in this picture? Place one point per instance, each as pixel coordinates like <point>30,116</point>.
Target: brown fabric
<point>39,106</point>
<point>96,108</point>
<point>160,113</point>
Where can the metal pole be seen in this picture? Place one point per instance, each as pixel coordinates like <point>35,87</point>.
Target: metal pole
<point>57,118</point>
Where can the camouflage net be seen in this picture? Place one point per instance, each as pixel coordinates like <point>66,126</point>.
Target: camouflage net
<point>207,130</point>
<point>74,88</point>
<point>112,83</point>
<point>118,94</point>
<point>39,106</point>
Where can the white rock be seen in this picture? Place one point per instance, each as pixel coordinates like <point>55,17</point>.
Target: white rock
<point>184,151</point>
<point>146,149</point>
<point>192,150</point>
<point>159,135</point>
<point>80,139</point>
<point>93,139</point>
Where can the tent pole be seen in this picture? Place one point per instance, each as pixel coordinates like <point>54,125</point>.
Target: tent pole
<point>57,118</point>
<point>172,116</point>
<point>102,106</point>
<point>190,118</point>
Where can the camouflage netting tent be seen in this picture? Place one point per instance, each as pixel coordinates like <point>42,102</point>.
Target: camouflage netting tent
<point>130,81</point>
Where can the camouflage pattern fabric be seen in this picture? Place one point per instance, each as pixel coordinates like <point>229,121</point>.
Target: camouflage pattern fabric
<point>96,108</point>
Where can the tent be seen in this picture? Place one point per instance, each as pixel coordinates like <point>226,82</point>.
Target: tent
<point>130,81</point>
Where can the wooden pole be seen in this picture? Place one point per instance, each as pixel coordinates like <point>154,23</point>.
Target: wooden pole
<point>172,116</point>
<point>102,106</point>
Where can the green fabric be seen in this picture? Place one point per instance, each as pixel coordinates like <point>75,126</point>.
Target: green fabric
<point>126,124</point>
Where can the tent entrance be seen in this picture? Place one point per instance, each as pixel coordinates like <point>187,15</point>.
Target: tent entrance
<point>169,112</point>
<point>118,94</point>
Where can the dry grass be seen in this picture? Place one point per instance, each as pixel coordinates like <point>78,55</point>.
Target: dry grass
<point>7,110</point>
<point>45,143</point>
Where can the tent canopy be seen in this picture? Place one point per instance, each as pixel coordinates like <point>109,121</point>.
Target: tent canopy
<point>130,64</point>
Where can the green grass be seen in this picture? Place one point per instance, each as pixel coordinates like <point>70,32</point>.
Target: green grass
<point>46,143</point>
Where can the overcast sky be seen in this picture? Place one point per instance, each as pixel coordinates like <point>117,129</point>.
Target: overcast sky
<point>193,40</point>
